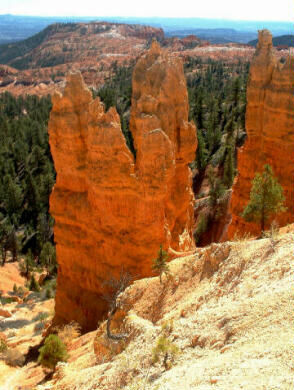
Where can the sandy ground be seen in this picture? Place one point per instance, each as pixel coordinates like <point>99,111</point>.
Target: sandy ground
<point>20,331</point>
<point>231,310</point>
<point>9,276</point>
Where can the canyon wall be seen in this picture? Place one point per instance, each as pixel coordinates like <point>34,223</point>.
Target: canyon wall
<point>270,132</point>
<point>111,209</point>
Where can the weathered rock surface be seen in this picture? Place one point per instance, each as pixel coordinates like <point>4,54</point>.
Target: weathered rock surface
<point>270,130</point>
<point>5,313</point>
<point>110,209</point>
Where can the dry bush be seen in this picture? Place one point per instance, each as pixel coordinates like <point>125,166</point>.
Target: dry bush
<point>241,237</point>
<point>69,332</point>
<point>273,234</point>
<point>198,340</point>
<point>13,357</point>
<point>105,348</point>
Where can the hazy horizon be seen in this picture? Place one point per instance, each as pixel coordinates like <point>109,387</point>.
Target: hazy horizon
<point>146,17</point>
<point>252,10</point>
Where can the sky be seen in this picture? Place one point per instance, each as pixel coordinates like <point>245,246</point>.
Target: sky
<point>281,10</point>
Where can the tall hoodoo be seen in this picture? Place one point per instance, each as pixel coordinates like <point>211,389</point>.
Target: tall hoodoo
<point>270,131</point>
<point>110,209</point>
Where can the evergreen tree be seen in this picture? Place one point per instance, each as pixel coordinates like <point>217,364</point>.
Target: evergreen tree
<point>34,285</point>
<point>13,197</point>
<point>236,91</point>
<point>217,188</point>
<point>160,263</point>
<point>48,257</point>
<point>27,265</point>
<point>201,153</point>
<point>266,198</point>
<point>229,167</point>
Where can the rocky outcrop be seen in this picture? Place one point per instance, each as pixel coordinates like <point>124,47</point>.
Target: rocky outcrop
<point>270,131</point>
<point>111,209</point>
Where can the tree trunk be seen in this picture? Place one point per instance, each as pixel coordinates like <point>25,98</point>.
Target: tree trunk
<point>3,256</point>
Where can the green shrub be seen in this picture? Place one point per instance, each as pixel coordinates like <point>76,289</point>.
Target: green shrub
<point>34,285</point>
<point>48,293</point>
<point>52,352</point>
<point>165,349</point>
<point>3,345</point>
<point>41,317</point>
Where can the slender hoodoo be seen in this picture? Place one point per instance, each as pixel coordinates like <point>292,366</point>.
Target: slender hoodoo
<point>270,132</point>
<point>110,209</point>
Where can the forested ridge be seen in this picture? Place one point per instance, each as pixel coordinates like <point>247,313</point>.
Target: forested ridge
<point>27,174</point>
<point>217,98</point>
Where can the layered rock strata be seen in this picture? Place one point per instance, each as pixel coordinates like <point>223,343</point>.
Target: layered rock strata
<point>111,209</point>
<point>270,131</point>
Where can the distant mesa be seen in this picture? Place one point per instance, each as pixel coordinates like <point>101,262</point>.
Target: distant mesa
<point>280,42</point>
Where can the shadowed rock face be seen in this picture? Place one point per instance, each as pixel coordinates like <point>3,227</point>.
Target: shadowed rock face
<point>111,210</point>
<point>270,130</point>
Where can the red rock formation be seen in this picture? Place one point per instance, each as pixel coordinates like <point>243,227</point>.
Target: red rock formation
<point>270,130</point>
<point>111,210</point>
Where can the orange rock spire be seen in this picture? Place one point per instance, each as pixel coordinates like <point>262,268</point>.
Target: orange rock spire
<point>111,210</point>
<point>270,131</point>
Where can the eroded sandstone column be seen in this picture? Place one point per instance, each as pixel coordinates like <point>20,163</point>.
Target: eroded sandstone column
<point>111,210</point>
<point>270,131</point>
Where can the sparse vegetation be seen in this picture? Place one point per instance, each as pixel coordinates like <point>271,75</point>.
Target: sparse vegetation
<point>3,345</point>
<point>115,287</point>
<point>165,349</point>
<point>13,357</point>
<point>69,332</point>
<point>160,265</point>
<point>34,285</point>
<point>52,352</point>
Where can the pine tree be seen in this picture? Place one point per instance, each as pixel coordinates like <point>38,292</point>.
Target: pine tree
<point>202,153</point>
<point>27,265</point>
<point>217,189</point>
<point>266,198</point>
<point>48,257</point>
<point>34,285</point>
<point>236,86</point>
<point>13,196</point>
<point>229,167</point>
<point>160,263</point>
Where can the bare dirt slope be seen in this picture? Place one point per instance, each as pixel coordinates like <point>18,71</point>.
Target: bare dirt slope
<point>22,328</point>
<point>9,275</point>
<point>231,307</point>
